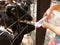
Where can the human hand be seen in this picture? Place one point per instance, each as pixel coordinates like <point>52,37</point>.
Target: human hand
<point>45,24</point>
<point>49,15</point>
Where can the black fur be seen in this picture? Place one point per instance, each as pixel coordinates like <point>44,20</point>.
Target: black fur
<point>10,18</point>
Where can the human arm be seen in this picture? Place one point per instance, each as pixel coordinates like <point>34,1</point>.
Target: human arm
<point>48,25</point>
<point>50,11</point>
<point>55,29</point>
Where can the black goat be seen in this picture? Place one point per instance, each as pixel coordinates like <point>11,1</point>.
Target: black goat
<point>14,13</point>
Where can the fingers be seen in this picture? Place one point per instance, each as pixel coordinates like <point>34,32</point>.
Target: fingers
<point>49,17</point>
<point>45,24</point>
<point>45,14</point>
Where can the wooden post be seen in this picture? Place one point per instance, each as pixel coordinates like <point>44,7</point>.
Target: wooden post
<point>42,6</point>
